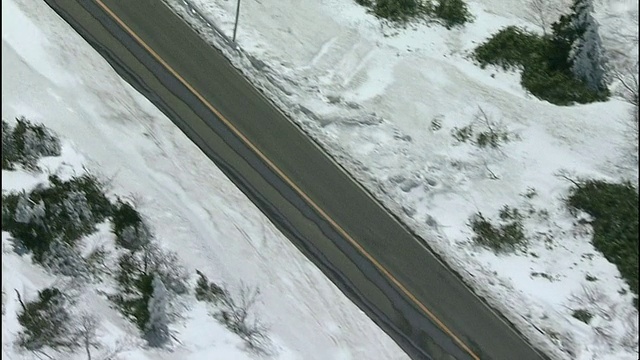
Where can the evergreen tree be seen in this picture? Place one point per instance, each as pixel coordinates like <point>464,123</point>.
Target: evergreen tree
<point>577,47</point>
<point>8,146</point>
<point>130,229</point>
<point>78,208</point>
<point>24,211</point>
<point>63,259</point>
<point>38,213</point>
<point>35,139</point>
<point>157,328</point>
<point>587,55</point>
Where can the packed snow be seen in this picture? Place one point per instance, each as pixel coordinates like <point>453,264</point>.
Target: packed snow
<point>384,100</point>
<point>50,75</point>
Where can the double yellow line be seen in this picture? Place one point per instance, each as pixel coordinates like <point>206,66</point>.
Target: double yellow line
<point>283,176</point>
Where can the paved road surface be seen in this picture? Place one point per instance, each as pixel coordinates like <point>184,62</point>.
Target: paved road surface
<point>370,256</point>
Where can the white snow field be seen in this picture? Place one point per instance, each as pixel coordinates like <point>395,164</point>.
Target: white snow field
<point>383,101</point>
<point>50,75</point>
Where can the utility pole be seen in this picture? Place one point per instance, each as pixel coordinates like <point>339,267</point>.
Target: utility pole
<point>235,26</point>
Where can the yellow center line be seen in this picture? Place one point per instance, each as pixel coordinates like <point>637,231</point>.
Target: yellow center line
<point>282,175</point>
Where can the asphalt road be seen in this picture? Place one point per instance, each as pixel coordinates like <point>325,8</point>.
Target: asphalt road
<point>369,255</point>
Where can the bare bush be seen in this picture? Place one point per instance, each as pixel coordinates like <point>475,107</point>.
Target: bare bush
<point>46,323</point>
<point>628,79</point>
<point>630,338</point>
<point>544,12</point>
<point>492,133</point>
<point>112,352</point>
<point>86,333</point>
<point>209,291</point>
<point>589,295</point>
<point>592,297</point>
<point>237,316</point>
<point>605,334</point>
<point>167,265</point>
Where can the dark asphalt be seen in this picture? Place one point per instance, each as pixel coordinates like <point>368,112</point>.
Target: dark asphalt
<point>382,236</point>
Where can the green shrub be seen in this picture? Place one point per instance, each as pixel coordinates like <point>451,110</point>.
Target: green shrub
<point>134,276</point>
<point>493,138</point>
<point>614,208</point>
<point>129,228</point>
<point>491,134</point>
<point>208,291</point>
<point>451,12</point>
<point>462,134</point>
<point>559,88</point>
<point>65,211</point>
<point>506,236</point>
<point>545,69</point>
<point>135,286</point>
<point>582,315</point>
<point>46,322</point>
<point>26,143</point>
<point>397,10</point>
<point>8,147</point>
<point>510,48</point>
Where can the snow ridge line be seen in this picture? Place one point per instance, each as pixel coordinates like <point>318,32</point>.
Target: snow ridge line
<point>195,10</point>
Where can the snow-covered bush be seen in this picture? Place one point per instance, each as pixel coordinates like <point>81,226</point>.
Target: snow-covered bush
<point>506,236</point>
<point>96,262</point>
<point>134,276</point>
<point>63,211</point>
<point>129,228</point>
<point>558,87</point>
<point>627,76</point>
<point>451,12</point>
<point>614,209</point>
<point>26,143</point>
<point>544,12</point>
<point>165,264</point>
<point>134,289</point>
<point>8,146</point>
<point>587,54</point>
<point>582,315</point>
<point>564,67</point>
<point>510,48</point>
<point>157,327</point>
<point>483,132</point>
<point>64,260</point>
<point>397,10</point>
<point>46,322</point>
<point>208,291</point>
<point>238,316</point>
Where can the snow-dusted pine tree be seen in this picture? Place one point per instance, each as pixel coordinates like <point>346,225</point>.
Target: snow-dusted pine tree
<point>587,55</point>
<point>38,213</point>
<point>24,211</point>
<point>78,209</point>
<point>157,328</point>
<point>8,146</point>
<point>63,259</point>
<point>37,140</point>
<point>46,322</point>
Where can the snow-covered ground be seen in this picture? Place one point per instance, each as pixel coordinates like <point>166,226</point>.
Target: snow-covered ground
<point>384,100</point>
<point>50,75</point>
